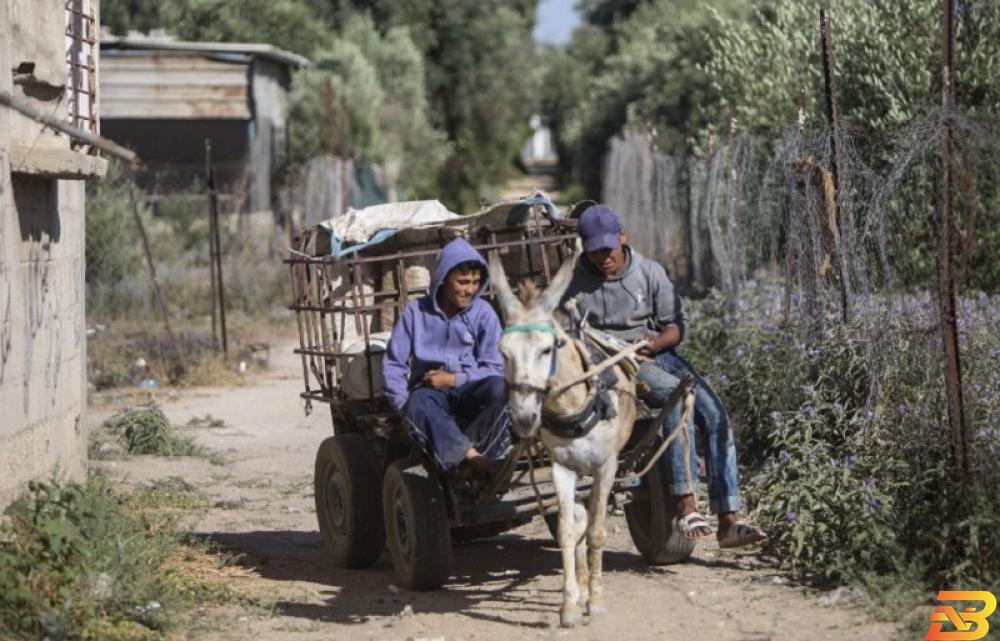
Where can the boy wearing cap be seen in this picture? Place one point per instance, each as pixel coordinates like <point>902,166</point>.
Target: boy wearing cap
<point>630,296</point>
<point>442,366</point>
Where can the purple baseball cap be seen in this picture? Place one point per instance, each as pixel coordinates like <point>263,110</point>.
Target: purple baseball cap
<point>600,228</point>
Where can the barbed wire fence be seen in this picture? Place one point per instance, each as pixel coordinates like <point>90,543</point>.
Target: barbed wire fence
<point>850,247</point>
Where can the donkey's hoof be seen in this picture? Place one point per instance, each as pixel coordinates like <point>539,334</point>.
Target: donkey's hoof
<point>570,615</point>
<point>596,609</point>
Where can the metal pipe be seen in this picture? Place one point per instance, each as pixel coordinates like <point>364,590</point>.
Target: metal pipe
<point>24,108</point>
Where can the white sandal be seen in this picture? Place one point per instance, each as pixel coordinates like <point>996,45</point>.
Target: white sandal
<point>690,524</point>
<point>742,533</point>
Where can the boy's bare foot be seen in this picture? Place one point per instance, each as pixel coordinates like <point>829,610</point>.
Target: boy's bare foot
<point>480,463</point>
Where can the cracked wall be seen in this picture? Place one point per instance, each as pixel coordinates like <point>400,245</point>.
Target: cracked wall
<point>42,332</point>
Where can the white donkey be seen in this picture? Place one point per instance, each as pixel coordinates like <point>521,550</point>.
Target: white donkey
<point>539,356</point>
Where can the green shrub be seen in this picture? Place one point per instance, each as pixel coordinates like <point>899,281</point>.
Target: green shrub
<point>170,493</point>
<point>845,428</point>
<point>75,563</point>
<point>148,431</point>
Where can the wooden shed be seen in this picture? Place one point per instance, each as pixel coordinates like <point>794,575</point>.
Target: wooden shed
<point>164,98</point>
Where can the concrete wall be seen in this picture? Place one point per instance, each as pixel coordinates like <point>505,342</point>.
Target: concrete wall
<point>42,332</point>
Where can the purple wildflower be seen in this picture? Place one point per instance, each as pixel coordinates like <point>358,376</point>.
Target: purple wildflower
<point>791,517</point>
<point>869,482</point>
<point>873,502</point>
<point>809,411</point>
<point>851,459</point>
<point>784,456</point>
<point>833,462</point>
<point>812,457</point>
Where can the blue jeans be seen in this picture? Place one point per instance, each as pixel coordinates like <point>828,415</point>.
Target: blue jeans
<point>662,376</point>
<point>432,418</point>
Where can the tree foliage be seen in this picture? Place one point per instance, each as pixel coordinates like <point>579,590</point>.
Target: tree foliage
<point>888,60</point>
<point>405,76</point>
<point>295,25</point>
<point>637,64</point>
<point>365,97</point>
<point>482,85</point>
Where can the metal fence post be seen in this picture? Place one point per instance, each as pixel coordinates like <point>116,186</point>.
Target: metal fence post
<point>946,286</point>
<point>842,225</point>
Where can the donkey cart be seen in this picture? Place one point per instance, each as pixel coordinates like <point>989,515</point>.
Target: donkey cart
<point>374,486</point>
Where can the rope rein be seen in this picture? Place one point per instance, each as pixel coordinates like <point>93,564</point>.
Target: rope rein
<point>594,370</point>
<point>679,430</point>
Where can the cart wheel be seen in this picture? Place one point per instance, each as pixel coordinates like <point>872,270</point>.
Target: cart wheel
<point>416,526</point>
<point>347,484</point>
<point>652,522</point>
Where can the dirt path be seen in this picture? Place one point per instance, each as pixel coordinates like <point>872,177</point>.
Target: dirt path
<point>502,588</point>
<point>527,184</point>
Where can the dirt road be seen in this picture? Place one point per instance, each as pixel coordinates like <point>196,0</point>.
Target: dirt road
<point>502,588</point>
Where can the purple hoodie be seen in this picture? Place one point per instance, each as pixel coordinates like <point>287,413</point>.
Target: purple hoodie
<point>465,344</point>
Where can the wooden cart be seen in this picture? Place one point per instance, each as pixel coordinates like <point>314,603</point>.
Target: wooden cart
<point>374,487</point>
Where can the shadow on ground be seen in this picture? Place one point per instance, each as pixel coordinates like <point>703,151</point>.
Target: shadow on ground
<point>490,578</point>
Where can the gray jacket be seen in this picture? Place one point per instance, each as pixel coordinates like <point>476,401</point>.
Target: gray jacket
<point>634,304</point>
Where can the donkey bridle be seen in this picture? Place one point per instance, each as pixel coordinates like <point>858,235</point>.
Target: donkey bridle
<point>546,328</point>
<point>598,408</point>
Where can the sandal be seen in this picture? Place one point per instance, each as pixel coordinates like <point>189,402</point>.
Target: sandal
<point>741,533</point>
<point>694,526</point>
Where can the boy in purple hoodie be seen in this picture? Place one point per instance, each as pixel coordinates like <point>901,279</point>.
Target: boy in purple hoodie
<point>442,367</point>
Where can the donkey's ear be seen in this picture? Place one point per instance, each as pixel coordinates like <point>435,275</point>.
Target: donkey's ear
<point>509,305</point>
<point>549,299</point>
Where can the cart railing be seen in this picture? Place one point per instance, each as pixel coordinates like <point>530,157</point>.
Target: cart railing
<point>346,307</point>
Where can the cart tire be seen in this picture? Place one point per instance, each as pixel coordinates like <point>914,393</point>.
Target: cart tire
<point>652,522</point>
<point>347,483</point>
<point>416,526</point>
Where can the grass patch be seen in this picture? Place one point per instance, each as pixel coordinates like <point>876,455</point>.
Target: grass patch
<point>228,504</point>
<point>254,483</point>
<point>78,561</point>
<point>208,421</point>
<point>146,430</point>
<point>170,493</point>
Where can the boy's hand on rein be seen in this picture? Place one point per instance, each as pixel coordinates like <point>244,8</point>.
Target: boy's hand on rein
<point>646,352</point>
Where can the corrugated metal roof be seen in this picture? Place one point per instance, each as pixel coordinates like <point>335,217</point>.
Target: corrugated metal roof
<point>270,52</point>
<point>173,84</point>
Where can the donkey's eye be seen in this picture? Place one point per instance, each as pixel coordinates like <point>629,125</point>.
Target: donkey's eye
<point>546,351</point>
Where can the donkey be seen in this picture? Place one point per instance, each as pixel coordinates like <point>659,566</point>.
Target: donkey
<point>538,356</point>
